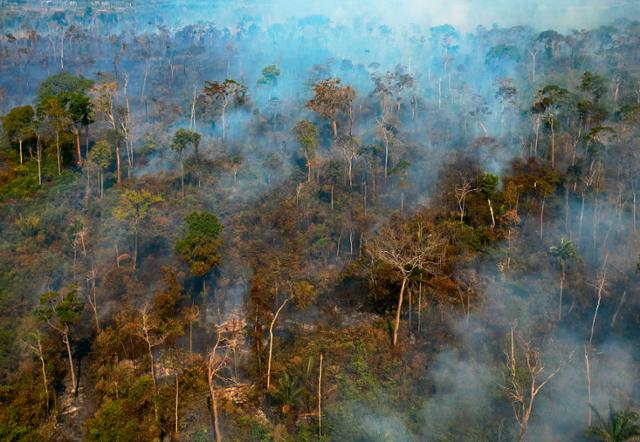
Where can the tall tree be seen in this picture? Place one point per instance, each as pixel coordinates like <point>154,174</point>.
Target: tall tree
<point>550,102</point>
<point>199,246</point>
<point>307,135</point>
<point>17,126</point>
<point>489,187</point>
<point>225,93</point>
<point>55,114</point>
<point>182,139</point>
<point>408,251</point>
<point>103,97</point>
<point>563,253</point>
<point>330,98</point>
<point>134,209</point>
<point>102,156</point>
<point>60,310</point>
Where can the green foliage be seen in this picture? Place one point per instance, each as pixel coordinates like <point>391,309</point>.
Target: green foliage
<point>18,123</point>
<point>594,84</point>
<point>102,154</point>
<point>134,206</point>
<point>564,252</point>
<point>183,138</point>
<point>502,52</point>
<point>200,245</point>
<point>489,184</point>
<point>621,426</point>
<point>128,418</point>
<point>307,135</point>
<point>270,76</point>
<point>59,308</point>
<point>62,83</point>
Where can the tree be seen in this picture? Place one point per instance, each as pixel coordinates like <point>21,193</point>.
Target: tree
<point>134,208</point>
<point>549,103</point>
<point>62,83</point>
<point>330,98</point>
<point>60,310</point>
<point>391,87</point>
<point>269,78</point>
<point>307,135</point>
<point>17,126</point>
<point>102,156</point>
<point>215,364</point>
<point>593,84</point>
<point>464,188</point>
<point>349,149</point>
<point>71,91</point>
<point>53,111</point>
<point>621,426</point>
<point>181,140</point>
<point>33,342</point>
<point>408,251</point>
<point>226,92</point>
<point>273,321</point>
<point>200,245</point>
<point>103,96</point>
<point>489,186</point>
<point>563,253</point>
<point>526,378</point>
<point>81,114</point>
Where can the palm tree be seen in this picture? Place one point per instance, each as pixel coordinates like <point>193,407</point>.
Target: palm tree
<point>563,253</point>
<point>621,426</point>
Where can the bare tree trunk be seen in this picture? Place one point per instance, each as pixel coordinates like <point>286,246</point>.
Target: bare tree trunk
<point>273,321</point>
<point>176,404</point>
<point>542,217</point>
<point>320,399</point>
<point>331,196</point>
<point>537,130</point>
<point>587,369</point>
<point>20,143</point>
<point>533,65</point>
<point>419,306</point>
<point>399,310</point>
<point>599,288</point>
<point>214,408</point>
<point>561,289</point>
<point>39,159</point>
<point>182,175</point>
<point>58,152</point>
<point>224,108</point>
<point>134,261</point>
<point>118,166</point>
<point>581,219</point>
<point>92,298</point>
<point>78,148</point>
<point>386,157</point>
<point>634,212</point>
<point>72,371</point>
<point>553,144</point>
<point>493,218</point>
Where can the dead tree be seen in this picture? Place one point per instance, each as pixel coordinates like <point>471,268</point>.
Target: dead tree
<point>599,286</point>
<point>526,377</point>
<point>216,362</point>
<point>273,321</point>
<point>33,342</point>
<point>406,252</point>
<point>461,192</point>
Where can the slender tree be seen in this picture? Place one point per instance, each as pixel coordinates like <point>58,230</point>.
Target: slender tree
<point>60,311</point>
